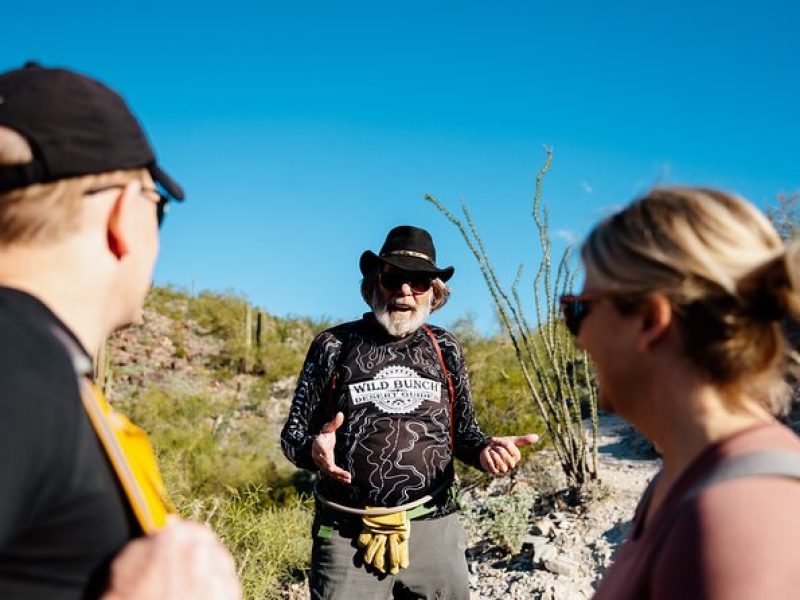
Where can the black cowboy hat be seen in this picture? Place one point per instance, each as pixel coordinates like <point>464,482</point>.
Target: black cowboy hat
<point>407,248</point>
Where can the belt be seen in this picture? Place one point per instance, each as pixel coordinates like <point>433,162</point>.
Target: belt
<point>414,509</point>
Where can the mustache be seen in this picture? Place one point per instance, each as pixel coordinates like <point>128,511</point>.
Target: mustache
<point>401,301</point>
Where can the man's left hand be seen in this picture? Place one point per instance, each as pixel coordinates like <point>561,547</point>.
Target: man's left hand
<point>502,454</point>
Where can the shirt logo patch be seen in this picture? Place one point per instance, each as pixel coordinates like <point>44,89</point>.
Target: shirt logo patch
<point>396,390</point>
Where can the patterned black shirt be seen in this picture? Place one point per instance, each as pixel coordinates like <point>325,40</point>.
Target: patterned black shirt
<point>395,440</point>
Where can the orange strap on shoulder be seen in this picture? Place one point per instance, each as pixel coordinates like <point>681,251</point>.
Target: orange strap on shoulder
<point>129,450</point>
<point>449,379</point>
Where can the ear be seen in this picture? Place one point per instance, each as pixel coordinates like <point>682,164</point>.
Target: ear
<point>116,224</point>
<point>657,317</point>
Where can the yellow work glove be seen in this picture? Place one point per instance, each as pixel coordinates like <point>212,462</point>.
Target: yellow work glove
<point>386,537</point>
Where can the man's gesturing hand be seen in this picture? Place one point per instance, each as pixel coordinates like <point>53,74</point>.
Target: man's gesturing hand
<point>502,454</point>
<point>322,450</point>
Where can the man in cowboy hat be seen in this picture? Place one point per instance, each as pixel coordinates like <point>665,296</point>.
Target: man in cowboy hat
<point>381,408</point>
<point>83,509</point>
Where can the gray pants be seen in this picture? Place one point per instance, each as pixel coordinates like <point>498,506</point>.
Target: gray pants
<point>437,569</point>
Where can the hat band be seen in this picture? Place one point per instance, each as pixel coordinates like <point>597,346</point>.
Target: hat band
<point>424,257</point>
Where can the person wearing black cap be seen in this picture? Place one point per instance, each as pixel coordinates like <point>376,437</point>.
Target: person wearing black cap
<point>381,409</point>
<point>83,509</point>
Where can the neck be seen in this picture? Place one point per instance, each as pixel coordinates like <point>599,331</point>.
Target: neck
<point>687,416</point>
<point>69,287</point>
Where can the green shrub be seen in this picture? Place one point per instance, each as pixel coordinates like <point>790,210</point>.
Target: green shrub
<point>503,520</point>
<point>198,455</point>
<point>502,403</point>
<point>271,545</point>
<point>253,341</point>
<point>499,392</point>
<point>169,301</point>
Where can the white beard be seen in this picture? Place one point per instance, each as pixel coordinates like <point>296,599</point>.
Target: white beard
<point>398,323</point>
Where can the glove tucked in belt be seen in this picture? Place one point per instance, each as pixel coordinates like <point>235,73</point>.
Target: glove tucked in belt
<point>383,537</point>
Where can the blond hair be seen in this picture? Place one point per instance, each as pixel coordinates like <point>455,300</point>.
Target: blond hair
<point>45,212</point>
<point>726,272</point>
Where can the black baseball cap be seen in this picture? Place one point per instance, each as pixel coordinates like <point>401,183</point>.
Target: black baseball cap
<point>75,126</point>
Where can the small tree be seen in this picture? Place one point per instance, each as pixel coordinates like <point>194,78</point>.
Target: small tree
<point>556,371</point>
<point>785,216</point>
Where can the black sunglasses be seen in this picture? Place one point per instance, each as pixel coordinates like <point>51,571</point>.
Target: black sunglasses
<point>394,280</point>
<point>161,201</point>
<point>575,307</point>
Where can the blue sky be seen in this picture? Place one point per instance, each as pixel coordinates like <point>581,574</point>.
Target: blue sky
<point>302,131</point>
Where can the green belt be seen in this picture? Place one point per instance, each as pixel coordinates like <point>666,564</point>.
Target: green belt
<point>419,511</point>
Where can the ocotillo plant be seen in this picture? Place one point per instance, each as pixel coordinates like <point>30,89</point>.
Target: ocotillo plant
<point>556,372</point>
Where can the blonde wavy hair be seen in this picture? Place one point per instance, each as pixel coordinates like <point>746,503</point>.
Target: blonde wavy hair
<point>726,272</point>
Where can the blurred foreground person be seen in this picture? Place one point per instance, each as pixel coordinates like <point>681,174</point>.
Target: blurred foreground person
<point>681,313</point>
<point>83,508</point>
<point>382,408</point>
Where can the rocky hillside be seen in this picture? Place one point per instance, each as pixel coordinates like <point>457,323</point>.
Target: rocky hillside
<point>186,362</point>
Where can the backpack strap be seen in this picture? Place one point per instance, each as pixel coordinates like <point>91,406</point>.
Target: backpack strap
<point>762,463</point>
<point>133,459</point>
<point>127,447</point>
<point>449,378</point>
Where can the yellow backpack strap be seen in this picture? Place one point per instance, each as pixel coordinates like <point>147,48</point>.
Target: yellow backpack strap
<point>131,454</point>
<point>128,448</point>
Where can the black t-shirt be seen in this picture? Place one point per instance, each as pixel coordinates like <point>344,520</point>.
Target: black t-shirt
<point>395,439</point>
<point>63,515</point>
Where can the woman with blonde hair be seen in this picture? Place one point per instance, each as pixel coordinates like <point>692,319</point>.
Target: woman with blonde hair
<point>685,294</point>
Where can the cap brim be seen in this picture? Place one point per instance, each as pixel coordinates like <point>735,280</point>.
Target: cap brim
<point>369,260</point>
<point>166,182</point>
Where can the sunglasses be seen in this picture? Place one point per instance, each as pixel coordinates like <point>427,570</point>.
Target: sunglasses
<point>394,280</point>
<point>160,199</point>
<point>574,308</point>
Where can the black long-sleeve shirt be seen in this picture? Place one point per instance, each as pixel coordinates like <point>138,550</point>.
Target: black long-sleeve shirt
<point>63,516</point>
<point>395,439</point>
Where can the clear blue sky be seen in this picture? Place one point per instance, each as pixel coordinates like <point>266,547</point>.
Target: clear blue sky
<point>302,131</point>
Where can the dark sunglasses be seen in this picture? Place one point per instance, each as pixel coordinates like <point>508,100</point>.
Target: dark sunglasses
<point>574,308</point>
<point>161,200</point>
<point>394,280</point>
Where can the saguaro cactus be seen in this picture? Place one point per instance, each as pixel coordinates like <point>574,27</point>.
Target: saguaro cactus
<point>248,338</point>
<point>102,369</point>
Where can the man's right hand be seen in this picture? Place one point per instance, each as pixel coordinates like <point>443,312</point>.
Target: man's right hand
<point>183,560</point>
<point>322,450</point>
